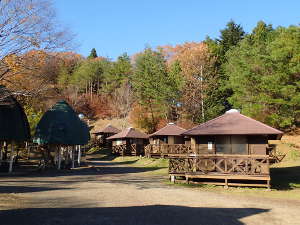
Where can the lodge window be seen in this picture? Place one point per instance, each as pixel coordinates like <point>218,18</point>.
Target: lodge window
<point>164,139</point>
<point>118,142</point>
<point>232,144</point>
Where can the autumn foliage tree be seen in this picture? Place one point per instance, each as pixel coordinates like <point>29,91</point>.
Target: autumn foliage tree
<point>27,25</point>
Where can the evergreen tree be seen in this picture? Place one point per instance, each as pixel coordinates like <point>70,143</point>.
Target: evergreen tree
<point>264,75</point>
<point>93,54</point>
<point>152,84</point>
<point>229,38</point>
<point>120,72</point>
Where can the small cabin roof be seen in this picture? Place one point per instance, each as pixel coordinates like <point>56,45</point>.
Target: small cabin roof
<point>129,133</point>
<point>109,129</point>
<point>171,129</point>
<point>234,123</point>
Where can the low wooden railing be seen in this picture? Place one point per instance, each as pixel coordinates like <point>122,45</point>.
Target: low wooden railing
<point>132,149</point>
<point>166,149</point>
<point>220,164</point>
<point>119,149</point>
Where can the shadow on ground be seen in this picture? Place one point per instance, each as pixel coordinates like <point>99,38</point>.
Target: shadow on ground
<point>285,178</point>
<point>136,215</point>
<point>26,189</point>
<point>95,169</point>
<point>98,161</point>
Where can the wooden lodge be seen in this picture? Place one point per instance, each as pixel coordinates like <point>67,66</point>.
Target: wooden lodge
<point>103,134</point>
<point>230,150</point>
<point>164,139</point>
<point>129,142</point>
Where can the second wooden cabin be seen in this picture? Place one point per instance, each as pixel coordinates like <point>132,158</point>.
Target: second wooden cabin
<point>129,142</point>
<point>103,134</point>
<point>164,139</point>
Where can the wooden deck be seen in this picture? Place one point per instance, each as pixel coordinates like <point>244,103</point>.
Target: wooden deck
<point>227,170</point>
<point>224,179</point>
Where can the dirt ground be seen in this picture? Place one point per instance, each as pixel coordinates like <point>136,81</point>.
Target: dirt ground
<point>114,193</point>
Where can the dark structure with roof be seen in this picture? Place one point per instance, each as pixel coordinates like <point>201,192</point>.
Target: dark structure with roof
<point>227,149</point>
<point>14,125</point>
<point>61,129</point>
<point>164,139</point>
<point>103,134</point>
<point>129,142</point>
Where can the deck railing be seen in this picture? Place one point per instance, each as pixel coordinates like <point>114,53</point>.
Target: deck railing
<point>220,164</point>
<point>132,149</point>
<point>166,149</point>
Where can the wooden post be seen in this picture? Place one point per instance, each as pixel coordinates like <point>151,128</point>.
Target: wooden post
<point>187,179</point>
<point>55,156</point>
<point>1,152</point>
<point>269,185</point>
<point>11,157</point>
<point>73,156</point>
<point>59,157</point>
<point>226,183</point>
<point>79,154</point>
<point>5,149</point>
<point>28,150</point>
<point>193,144</point>
<point>173,179</point>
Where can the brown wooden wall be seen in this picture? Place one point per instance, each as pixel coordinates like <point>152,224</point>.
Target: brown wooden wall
<point>170,140</point>
<point>256,145</point>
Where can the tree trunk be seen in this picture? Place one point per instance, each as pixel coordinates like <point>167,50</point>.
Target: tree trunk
<point>202,100</point>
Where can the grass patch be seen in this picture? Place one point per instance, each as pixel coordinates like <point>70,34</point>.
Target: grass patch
<point>144,162</point>
<point>94,150</point>
<point>160,165</point>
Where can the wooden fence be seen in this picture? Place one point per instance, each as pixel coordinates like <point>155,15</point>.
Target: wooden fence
<point>228,170</point>
<point>128,150</point>
<point>222,164</point>
<point>165,150</point>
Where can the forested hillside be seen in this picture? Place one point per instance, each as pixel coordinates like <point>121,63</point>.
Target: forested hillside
<point>257,73</point>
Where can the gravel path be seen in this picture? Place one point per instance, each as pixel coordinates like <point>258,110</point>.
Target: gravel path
<point>116,194</point>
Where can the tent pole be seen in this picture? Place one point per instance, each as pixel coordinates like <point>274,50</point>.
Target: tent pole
<point>79,154</point>
<point>11,157</point>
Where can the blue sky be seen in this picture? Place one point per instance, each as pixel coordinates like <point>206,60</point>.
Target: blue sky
<point>115,26</point>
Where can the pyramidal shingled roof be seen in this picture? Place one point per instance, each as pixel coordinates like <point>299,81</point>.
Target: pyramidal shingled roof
<point>61,125</point>
<point>232,123</point>
<point>129,133</point>
<point>170,129</point>
<point>108,129</point>
<point>14,125</point>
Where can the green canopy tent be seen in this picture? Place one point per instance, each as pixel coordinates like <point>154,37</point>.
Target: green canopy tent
<point>14,126</point>
<point>61,126</point>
